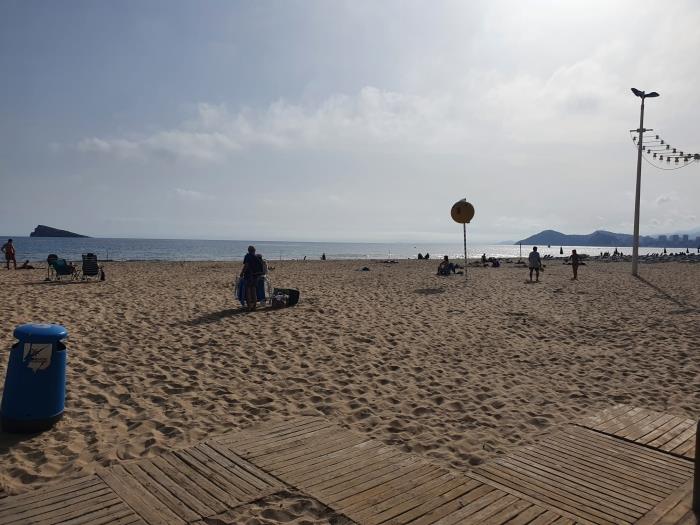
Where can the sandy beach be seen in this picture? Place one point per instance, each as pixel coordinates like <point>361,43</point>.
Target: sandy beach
<point>454,370</point>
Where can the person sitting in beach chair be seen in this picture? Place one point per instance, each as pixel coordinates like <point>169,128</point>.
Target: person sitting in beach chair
<point>446,267</point>
<point>90,267</point>
<point>61,269</point>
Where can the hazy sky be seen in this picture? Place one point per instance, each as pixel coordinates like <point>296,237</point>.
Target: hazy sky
<point>331,120</point>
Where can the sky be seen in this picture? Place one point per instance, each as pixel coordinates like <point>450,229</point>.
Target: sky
<point>344,120</point>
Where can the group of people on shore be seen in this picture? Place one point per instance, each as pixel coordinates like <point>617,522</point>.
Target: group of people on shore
<point>534,264</point>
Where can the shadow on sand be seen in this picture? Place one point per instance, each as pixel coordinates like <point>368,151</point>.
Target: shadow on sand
<point>687,308</point>
<point>58,283</point>
<point>8,440</point>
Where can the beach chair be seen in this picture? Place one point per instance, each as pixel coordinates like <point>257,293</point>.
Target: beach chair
<point>50,259</point>
<point>264,290</point>
<point>62,269</point>
<point>90,268</point>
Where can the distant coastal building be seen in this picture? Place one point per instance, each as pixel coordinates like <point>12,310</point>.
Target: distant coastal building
<point>697,240</point>
<point>663,238</point>
<point>675,238</point>
<point>685,238</point>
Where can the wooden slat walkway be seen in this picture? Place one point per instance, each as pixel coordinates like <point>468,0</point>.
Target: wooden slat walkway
<point>674,510</point>
<point>578,475</point>
<point>188,485</point>
<point>672,434</point>
<point>85,500</point>
<point>180,487</point>
<point>373,484</point>
<point>589,476</point>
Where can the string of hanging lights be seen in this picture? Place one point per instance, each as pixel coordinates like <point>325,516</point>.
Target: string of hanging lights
<point>662,155</point>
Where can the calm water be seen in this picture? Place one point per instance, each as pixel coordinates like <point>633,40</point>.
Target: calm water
<point>36,249</point>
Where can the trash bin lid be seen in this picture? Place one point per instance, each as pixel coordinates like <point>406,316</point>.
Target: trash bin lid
<point>40,333</point>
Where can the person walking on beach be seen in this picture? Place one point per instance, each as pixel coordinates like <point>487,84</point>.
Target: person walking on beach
<point>252,270</point>
<point>535,263</point>
<point>9,250</point>
<point>574,264</point>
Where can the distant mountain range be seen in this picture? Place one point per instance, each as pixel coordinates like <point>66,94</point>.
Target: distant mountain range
<point>605,238</point>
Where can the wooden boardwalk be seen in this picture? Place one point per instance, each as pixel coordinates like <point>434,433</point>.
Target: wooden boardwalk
<point>374,484</point>
<point>589,476</point>
<point>85,500</point>
<point>623,465</point>
<point>181,487</point>
<point>188,485</point>
<point>666,432</point>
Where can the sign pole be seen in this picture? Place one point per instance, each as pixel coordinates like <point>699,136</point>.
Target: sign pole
<point>465,250</point>
<point>462,212</point>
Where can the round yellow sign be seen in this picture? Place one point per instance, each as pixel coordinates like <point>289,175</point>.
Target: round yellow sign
<point>462,212</point>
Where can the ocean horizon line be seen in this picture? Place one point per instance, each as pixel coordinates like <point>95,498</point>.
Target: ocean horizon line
<point>252,241</point>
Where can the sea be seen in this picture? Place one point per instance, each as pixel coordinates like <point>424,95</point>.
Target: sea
<point>36,249</point>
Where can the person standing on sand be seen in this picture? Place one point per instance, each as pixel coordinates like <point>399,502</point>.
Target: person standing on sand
<point>252,270</point>
<point>9,250</point>
<point>535,263</point>
<point>574,264</point>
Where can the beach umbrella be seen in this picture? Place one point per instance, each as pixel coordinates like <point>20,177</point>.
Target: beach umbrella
<point>462,212</point>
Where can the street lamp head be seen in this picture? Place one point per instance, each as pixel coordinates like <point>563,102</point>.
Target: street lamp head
<point>641,94</point>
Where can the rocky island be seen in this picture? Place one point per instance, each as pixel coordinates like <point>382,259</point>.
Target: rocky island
<point>48,231</point>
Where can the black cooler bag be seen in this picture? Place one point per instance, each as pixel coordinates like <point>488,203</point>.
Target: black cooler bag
<point>291,293</point>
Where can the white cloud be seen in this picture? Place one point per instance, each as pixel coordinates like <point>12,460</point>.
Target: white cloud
<point>371,118</point>
<point>666,198</point>
<point>193,195</point>
<point>532,109</point>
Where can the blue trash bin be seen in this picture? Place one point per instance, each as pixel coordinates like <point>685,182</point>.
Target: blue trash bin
<point>35,383</point>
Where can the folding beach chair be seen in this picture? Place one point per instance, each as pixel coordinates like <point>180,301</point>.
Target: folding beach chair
<point>61,269</point>
<point>264,290</point>
<point>90,267</point>
<point>50,259</point>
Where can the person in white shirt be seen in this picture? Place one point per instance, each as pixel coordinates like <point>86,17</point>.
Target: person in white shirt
<point>535,264</point>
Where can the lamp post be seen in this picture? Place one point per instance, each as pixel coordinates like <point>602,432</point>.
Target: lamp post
<point>641,130</point>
